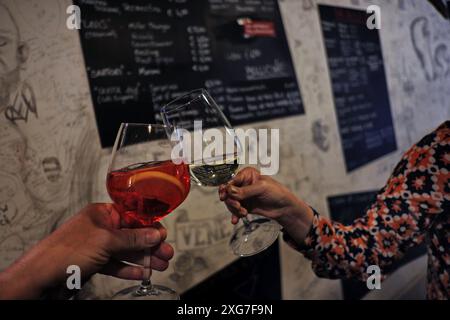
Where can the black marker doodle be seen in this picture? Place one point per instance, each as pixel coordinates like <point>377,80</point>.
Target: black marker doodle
<point>17,98</point>
<point>420,37</point>
<point>8,213</point>
<point>24,102</point>
<point>52,169</point>
<point>442,58</point>
<point>435,63</point>
<point>4,219</point>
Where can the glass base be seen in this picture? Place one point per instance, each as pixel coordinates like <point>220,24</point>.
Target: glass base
<point>156,292</point>
<point>257,236</point>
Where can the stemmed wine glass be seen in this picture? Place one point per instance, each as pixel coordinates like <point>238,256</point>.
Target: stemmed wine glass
<point>146,184</point>
<point>185,112</point>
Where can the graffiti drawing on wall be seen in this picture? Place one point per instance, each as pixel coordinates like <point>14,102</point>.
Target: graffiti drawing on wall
<point>434,58</point>
<point>46,150</point>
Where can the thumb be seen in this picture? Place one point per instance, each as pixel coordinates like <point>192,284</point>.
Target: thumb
<point>135,239</point>
<point>245,192</point>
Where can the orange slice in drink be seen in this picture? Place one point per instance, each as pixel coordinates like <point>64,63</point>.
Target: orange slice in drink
<point>148,181</point>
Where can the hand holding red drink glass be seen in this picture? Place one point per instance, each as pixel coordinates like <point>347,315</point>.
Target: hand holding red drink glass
<point>146,185</point>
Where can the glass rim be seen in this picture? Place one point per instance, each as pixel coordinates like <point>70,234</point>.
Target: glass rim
<point>196,93</point>
<point>136,124</point>
<point>125,126</point>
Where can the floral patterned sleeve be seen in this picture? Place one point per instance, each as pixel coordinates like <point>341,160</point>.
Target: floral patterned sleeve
<point>413,205</point>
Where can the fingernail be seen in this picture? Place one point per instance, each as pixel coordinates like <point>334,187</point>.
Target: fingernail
<point>152,237</point>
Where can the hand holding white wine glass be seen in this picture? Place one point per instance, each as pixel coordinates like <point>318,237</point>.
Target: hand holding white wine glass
<point>221,166</point>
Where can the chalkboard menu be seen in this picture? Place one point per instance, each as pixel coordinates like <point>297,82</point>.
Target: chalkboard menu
<point>345,208</point>
<point>358,80</point>
<point>140,55</point>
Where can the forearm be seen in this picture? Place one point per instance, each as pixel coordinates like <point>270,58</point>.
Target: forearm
<point>17,282</point>
<point>35,272</point>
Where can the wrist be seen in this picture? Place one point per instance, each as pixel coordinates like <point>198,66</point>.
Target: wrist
<point>297,220</point>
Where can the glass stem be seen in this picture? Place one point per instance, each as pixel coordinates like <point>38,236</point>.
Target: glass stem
<point>146,285</point>
<point>247,225</point>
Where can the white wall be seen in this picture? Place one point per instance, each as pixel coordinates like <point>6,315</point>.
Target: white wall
<point>38,196</point>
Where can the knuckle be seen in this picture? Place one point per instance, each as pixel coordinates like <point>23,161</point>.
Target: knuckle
<point>93,210</point>
<point>105,238</point>
<point>132,240</point>
<point>170,252</point>
<point>264,184</point>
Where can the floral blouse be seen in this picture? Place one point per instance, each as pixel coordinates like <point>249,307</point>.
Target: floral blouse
<point>413,207</point>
